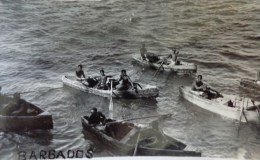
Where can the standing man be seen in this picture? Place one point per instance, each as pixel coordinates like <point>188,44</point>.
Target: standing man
<point>143,52</point>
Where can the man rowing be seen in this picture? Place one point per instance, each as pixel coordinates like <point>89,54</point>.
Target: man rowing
<point>199,85</point>
<point>96,117</point>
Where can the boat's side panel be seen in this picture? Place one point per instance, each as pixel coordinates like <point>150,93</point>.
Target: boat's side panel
<point>42,121</point>
<point>115,144</point>
<point>215,107</point>
<point>77,85</point>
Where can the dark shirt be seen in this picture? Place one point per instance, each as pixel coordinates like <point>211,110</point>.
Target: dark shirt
<point>80,74</point>
<point>96,118</point>
<point>197,84</point>
<point>200,83</point>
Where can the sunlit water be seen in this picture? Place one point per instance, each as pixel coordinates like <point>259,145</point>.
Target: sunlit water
<point>41,40</point>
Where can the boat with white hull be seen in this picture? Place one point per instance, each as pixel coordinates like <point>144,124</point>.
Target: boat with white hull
<point>183,67</point>
<point>220,105</point>
<point>147,91</point>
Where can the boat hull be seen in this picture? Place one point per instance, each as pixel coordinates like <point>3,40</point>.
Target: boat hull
<point>40,121</point>
<point>217,106</point>
<point>184,68</point>
<point>148,91</point>
<point>127,148</point>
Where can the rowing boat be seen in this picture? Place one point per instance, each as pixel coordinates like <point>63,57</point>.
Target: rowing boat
<point>35,119</point>
<point>149,141</point>
<point>222,105</point>
<point>147,91</point>
<point>183,67</point>
<point>250,84</point>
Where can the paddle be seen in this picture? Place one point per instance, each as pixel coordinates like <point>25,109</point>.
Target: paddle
<point>161,65</point>
<point>111,101</point>
<point>9,94</point>
<point>136,145</point>
<point>131,119</point>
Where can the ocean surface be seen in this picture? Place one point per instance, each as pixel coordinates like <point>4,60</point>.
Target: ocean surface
<point>41,40</point>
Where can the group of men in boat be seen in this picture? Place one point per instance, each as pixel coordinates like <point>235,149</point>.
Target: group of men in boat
<point>16,106</point>
<point>152,58</point>
<point>102,81</point>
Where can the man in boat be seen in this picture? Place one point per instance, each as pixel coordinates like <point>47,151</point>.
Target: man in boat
<point>198,85</point>
<point>146,56</point>
<point>143,52</point>
<point>125,80</point>
<point>208,92</point>
<point>80,73</point>
<point>102,84</point>
<point>96,117</point>
<point>175,53</point>
<point>18,107</point>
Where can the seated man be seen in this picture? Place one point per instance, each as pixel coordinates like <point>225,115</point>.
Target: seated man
<point>208,92</point>
<point>80,73</point>
<point>96,117</point>
<point>198,85</point>
<point>18,107</point>
<point>102,84</point>
<point>146,56</point>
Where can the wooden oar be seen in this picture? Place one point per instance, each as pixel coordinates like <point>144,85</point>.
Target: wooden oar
<point>9,94</point>
<point>111,102</point>
<point>131,119</point>
<point>136,145</point>
<point>161,65</point>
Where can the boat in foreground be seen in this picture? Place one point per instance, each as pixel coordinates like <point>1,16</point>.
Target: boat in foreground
<point>130,139</point>
<point>147,91</point>
<point>183,67</point>
<point>35,119</point>
<point>222,105</point>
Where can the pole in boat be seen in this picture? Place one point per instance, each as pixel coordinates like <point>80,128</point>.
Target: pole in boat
<point>136,145</point>
<point>111,101</point>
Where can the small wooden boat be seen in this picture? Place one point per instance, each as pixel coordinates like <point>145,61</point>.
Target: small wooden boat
<point>222,105</point>
<point>250,84</point>
<point>124,137</point>
<point>35,119</point>
<point>147,91</point>
<point>183,67</point>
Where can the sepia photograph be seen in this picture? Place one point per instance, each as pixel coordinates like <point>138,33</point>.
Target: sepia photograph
<point>130,79</point>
